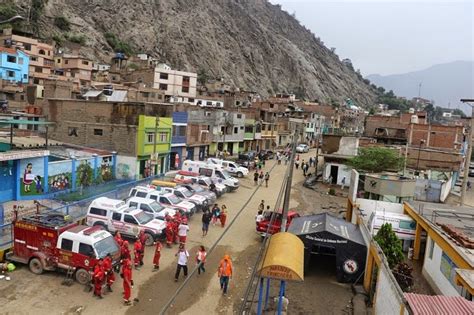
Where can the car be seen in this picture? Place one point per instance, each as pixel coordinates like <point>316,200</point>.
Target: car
<point>231,167</point>
<point>247,159</point>
<point>471,172</point>
<point>150,206</point>
<point>302,148</point>
<point>203,181</point>
<point>263,226</point>
<point>266,155</point>
<point>185,194</point>
<point>170,200</point>
<point>198,189</point>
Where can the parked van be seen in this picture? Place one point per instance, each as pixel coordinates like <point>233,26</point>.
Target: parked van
<point>231,167</point>
<point>212,171</point>
<point>187,195</point>
<point>150,206</point>
<point>115,215</point>
<point>205,182</point>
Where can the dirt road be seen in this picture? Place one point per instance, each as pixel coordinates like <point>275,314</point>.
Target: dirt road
<point>44,294</point>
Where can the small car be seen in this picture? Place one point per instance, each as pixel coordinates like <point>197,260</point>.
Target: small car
<point>302,148</point>
<point>275,227</point>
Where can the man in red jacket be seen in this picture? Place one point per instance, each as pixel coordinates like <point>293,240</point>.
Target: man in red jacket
<point>109,271</point>
<point>137,251</point>
<point>169,233</point>
<point>127,281</point>
<point>98,277</point>
<point>125,251</point>
<point>156,258</point>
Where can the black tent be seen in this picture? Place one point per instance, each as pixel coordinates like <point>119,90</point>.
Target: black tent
<point>327,235</point>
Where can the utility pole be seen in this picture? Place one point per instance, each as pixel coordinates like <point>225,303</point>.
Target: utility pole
<point>286,200</point>
<point>317,154</point>
<point>157,122</point>
<point>467,157</point>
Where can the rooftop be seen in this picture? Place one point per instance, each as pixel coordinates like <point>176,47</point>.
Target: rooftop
<point>454,223</point>
<point>421,304</point>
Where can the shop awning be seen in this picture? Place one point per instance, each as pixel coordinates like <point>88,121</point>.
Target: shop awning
<point>284,259</point>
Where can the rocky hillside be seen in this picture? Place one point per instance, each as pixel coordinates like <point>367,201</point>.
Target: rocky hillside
<point>253,44</point>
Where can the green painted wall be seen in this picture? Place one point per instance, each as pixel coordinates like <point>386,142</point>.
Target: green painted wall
<point>146,125</point>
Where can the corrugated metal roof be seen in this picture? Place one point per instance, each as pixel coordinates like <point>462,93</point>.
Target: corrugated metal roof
<point>422,304</point>
<point>92,93</point>
<point>118,96</point>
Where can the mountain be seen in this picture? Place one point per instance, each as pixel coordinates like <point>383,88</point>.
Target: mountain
<point>253,44</point>
<point>445,83</point>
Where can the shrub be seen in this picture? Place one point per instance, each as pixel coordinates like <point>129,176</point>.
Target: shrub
<point>332,191</point>
<point>390,244</point>
<point>62,23</point>
<point>118,45</point>
<point>76,38</point>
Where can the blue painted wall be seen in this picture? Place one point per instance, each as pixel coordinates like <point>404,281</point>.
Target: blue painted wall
<point>179,118</point>
<point>16,69</point>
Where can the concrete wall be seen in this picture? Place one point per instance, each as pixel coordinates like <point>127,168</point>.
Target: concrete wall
<point>432,271</point>
<point>367,207</point>
<point>389,186</point>
<point>343,171</point>
<point>348,146</point>
<point>446,189</point>
<point>387,299</point>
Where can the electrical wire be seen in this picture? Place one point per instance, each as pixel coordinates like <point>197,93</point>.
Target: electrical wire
<point>186,281</point>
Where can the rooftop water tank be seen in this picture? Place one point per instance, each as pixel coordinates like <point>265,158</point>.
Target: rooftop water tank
<point>414,119</point>
<point>411,110</point>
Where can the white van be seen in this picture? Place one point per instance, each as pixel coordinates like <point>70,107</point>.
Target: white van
<point>231,167</point>
<point>115,215</point>
<point>212,171</point>
<point>150,206</point>
<point>403,225</point>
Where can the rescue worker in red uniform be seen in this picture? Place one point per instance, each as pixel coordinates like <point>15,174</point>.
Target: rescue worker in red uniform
<point>169,233</point>
<point>176,222</point>
<point>98,277</point>
<point>125,251</point>
<point>142,237</point>
<point>118,239</point>
<point>138,256</point>
<point>109,271</point>
<point>156,258</point>
<point>127,281</point>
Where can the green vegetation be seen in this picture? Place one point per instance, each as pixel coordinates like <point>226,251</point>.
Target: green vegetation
<point>76,38</point>
<point>59,39</point>
<point>202,76</point>
<point>392,100</point>
<point>7,11</point>
<point>118,45</point>
<point>62,23</point>
<point>390,245</point>
<point>376,159</point>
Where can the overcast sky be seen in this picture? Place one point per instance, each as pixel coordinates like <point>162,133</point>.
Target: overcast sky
<point>389,37</point>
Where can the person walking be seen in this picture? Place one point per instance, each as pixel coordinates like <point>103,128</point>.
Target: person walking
<point>127,281</point>
<point>206,219</point>
<point>216,212</point>
<point>297,164</point>
<point>169,232</point>
<point>343,183</point>
<point>259,217</point>
<point>305,167</point>
<point>125,251</point>
<point>225,273</point>
<point>183,229</point>
<point>183,256</point>
<point>98,276</point>
<point>109,271</point>
<point>261,206</point>
<point>201,259</point>
<point>255,177</point>
<point>260,178</point>
<point>223,215</point>
<point>137,253</point>
<point>287,158</point>
<point>267,178</point>
<point>157,256</point>
<point>142,236</point>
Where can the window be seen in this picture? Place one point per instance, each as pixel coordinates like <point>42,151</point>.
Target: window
<point>20,61</point>
<point>66,244</point>
<point>241,127</point>
<point>36,81</point>
<point>272,105</point>
<point>248,129</point>
<point>25,76</point>
<point>408,225</point>
<point>133,205</point>
<point>208,103</point>
<point>32,58</point>
<point>430,253</point>
<point>154,197</point>
<point>236,130</point>
<point>11,59</point>
<point>239,116</point>
<point>185,89</point>
<point>129,219</point>
<point>150,137</point>
<point>38,69</point>
<point>116,216</point>
<point>85,62</point>
<point>146,208</point>
<point>191,100</point>
<point>72,132</point>
<point>164,76</point>
<point>164,200</point>
<point>186,79</point>
<point>42,52</point>
<point>97,211</point>
<point>10,74</point>
<point>27,46</point>
<point>141,194</point>
<point>58,60</point>
<point>163,87</point>
<point>98,132</point>
<point>66,62</point>
<point>86,249</point>
<point>163,136</point>
<point>179,131</point>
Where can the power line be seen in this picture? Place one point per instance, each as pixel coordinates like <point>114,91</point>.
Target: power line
<point>186,281</point>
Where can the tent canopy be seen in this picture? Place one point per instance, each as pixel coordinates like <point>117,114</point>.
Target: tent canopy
<point>325,222</point>
<point>284,259</point>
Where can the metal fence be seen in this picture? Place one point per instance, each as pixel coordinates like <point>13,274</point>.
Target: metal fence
<point>77,209</point>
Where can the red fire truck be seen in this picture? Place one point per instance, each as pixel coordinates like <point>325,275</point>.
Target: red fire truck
<point>47,242</point>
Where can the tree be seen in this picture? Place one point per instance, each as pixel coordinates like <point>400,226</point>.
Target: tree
<point>390,245</point>
<point>375,159</point>
<point>202,76</point>
<point>459,112</point>
<point>62,23</point>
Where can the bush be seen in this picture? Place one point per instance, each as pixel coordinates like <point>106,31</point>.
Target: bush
<point>58,39</point>
<point>62,23</point>
<point>390,244</point>
<point>7,11</point>
<point>76,38</point>
<point>402,273</point>
<point>332,191</point>
<point>118,45</point>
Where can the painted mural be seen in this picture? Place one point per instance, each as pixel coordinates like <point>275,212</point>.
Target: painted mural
<point>32,177</point>
<point>105,173</point>
<point>60,175</point>
<point>84,172</point>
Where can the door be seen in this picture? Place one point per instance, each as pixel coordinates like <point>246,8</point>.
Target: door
<point>7,182</point>
<point>230,148</point>
<point>334,172</point>
<point>190,154</point>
